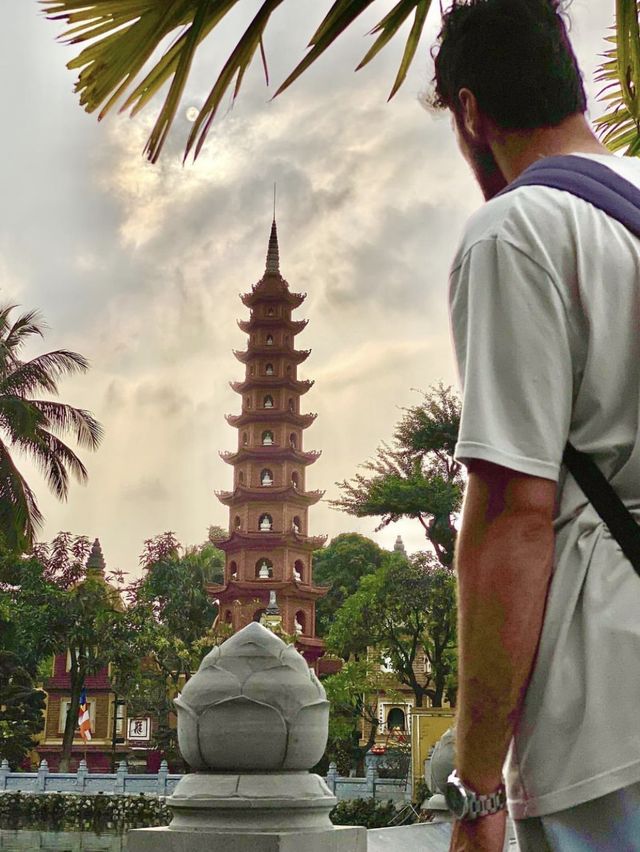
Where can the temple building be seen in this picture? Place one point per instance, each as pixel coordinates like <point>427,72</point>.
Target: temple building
<point>269,549</point>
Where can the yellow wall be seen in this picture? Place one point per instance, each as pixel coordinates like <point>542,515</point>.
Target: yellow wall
<point>427,726</point>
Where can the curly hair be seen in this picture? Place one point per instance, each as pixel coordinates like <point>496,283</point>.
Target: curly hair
<point>515,56</point>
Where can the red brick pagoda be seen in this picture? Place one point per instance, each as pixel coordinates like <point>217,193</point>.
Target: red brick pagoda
<point>269,548</point>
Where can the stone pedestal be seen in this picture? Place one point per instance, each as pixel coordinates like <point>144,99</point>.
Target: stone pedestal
<point>339,839</point>
<point>251,721</point>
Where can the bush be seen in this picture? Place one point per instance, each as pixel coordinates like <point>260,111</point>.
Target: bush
<point>367,812</point>
<point>73,811</point>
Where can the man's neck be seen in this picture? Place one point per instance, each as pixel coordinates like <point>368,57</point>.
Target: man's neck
<point>515,151</point>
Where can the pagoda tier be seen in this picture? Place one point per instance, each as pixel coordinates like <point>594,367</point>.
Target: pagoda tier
<point>295,356</point>
<point>257,495</point>
<point>229,591</point>
<point>269,540</point>
<point>258,294</point>
<point>267,382</point>
<point>268,548</point>
<point>302,420</point>
<point>292,326</point>
<point>263,453</point>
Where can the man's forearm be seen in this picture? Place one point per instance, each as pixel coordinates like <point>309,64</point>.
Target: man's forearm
<point>504,556</point>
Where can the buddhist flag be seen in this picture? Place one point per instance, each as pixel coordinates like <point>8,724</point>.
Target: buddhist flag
<point>84,723</point>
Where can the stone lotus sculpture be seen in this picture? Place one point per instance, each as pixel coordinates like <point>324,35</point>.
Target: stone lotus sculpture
<point>253,705</point>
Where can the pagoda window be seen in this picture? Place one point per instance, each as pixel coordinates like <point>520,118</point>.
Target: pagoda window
<point>269,370</point>
<point>298,570</point>
<point>300,622</point>
<point>266,477</point>
<point>286,340</point>
<point>245,439</point>
<point>271,311</point>
<point>269,340</point>
<point>252,370</point>
<point>264,569</point>
<point>233,569</point>
<point>237,523</point>
<point>240,477</point>
<point>265,524</point>
<point>257,615</point>
<point>297,525</point>
<point>267,438</point>
<point>289,369</point>
<point>295,479</point>
<point>268,401</point>
<point>293,440</point>
<point>396,720</point>
<point>292,405</point>
<point>248,402</point>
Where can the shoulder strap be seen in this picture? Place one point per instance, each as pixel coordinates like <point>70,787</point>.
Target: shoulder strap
<point>605,189</point>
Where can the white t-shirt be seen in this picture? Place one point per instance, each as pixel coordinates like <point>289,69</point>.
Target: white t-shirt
<point>545,310</point>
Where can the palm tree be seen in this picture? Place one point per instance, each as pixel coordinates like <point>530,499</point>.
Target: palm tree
<point>33,426</point>
<point>125,34</point>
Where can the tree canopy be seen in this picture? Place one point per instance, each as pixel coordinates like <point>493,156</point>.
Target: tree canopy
<point>404,607</point>
<point>416,475</point>
<point>32,426</point>
<point>131,49</point>
<point>341,565</point>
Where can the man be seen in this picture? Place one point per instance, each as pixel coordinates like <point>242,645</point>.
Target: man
<point>545,308</point>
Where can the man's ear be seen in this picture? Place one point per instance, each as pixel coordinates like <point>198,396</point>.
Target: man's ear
<point>470,114</point>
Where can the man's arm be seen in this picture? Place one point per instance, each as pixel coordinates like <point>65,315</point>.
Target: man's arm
<point>504,557</point>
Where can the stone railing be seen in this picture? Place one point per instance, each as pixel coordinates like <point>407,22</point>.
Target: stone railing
<point>164,783</point>
<point>369,787</point>
<point>83,781</point>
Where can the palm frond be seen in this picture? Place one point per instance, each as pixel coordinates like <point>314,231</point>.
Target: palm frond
<point>20,517</point>
<point>620,72</point>
<point>54,459</point>
<point>42,372</point>
<point>62,418</point>
<point>119,38</point>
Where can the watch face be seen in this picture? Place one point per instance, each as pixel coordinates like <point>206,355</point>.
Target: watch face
<point>455,799</point>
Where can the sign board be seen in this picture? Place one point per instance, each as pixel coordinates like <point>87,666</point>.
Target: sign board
<point>139,729</point>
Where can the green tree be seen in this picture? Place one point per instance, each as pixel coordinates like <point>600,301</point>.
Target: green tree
<point>352,693</point>
<point>32,426</point>
<point>21,710</point>
<point>63,603</point>
<point>126,36</point>
<point>403,607</point>
<point>341,565</point>
<point>171,617</point>
<point>416,476</point>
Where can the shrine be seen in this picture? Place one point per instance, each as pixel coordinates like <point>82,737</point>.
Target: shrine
<point>269,549</point>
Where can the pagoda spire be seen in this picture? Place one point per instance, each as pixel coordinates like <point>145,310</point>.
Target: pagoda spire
<point>273,254</point>
<point>96,562</point>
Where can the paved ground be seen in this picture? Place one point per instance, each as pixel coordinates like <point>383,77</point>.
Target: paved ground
<point>427,837</point>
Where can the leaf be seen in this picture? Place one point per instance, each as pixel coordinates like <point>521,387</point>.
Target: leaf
<point>620,72</point>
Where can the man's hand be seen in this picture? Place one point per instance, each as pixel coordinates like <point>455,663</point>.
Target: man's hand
<point>485,834</point>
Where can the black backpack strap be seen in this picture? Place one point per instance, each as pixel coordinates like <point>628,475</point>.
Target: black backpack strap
<point>605,189</point>
<point>606,502</point>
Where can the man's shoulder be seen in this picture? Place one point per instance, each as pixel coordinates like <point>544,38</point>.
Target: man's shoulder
<point>538,219</point>
<point>521,218</point>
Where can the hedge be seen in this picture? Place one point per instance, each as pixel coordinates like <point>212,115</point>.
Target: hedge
<point>73,811</point>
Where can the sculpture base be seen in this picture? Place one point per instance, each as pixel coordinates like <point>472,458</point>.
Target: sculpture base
<point>250,812</point>
<point>336,839</point>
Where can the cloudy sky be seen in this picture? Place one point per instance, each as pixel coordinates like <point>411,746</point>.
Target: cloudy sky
<point>139,267</point>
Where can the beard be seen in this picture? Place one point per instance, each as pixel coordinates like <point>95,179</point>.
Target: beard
<point>483,164</point>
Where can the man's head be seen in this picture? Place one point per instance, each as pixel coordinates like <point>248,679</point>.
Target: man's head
<point>504,66</point>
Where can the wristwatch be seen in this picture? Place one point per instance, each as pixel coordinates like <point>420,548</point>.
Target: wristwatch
<point>464,803</point>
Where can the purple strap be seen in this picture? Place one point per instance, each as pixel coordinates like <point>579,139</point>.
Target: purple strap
<point>590,180</point>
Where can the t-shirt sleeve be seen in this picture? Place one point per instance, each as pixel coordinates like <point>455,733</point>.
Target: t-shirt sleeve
<point>511,340</point>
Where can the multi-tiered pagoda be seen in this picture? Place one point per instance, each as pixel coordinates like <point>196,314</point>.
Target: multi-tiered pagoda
<point>269,548</point>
